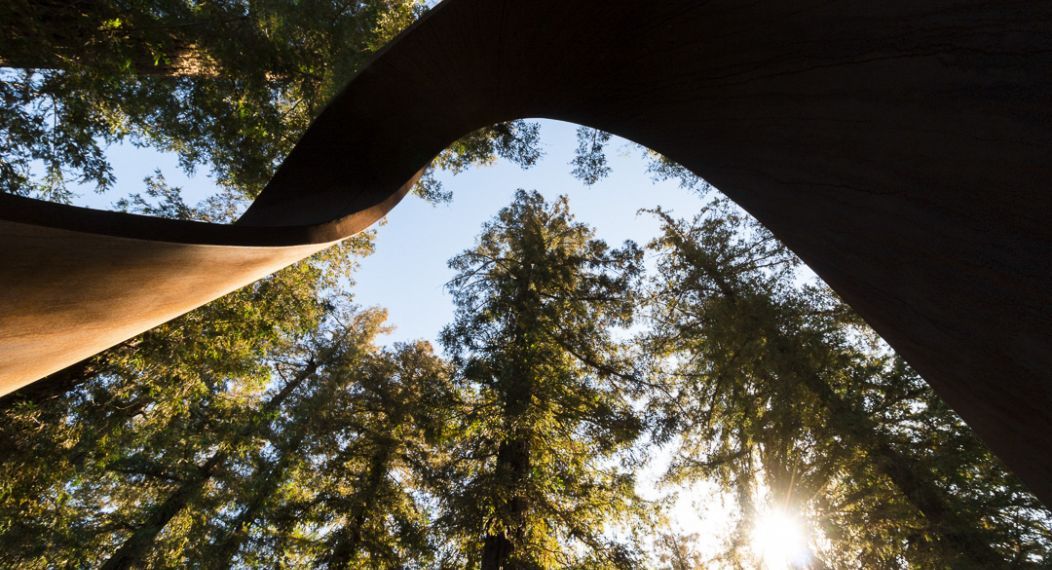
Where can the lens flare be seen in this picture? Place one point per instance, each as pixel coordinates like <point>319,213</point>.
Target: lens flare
<point>779,541</point>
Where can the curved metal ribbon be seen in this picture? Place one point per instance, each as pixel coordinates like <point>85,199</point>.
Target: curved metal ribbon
<point>901,148</point>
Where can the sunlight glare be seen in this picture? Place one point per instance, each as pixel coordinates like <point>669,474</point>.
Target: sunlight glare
<point>778,540</point>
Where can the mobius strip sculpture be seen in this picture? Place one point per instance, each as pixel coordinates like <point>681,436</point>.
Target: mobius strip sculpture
<point>901,148</point>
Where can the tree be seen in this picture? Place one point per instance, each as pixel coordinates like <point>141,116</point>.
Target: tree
<point>160,491</point>
<point>674,550</point>
<point>228,85</point>
<point>334,489</point>
<point>75,449</point>
<point>217,440</point>
<point>139,544</point>
<point>781,393</point>
<point>379,440</point>
<point>533,479</point>
<point>589,163</point>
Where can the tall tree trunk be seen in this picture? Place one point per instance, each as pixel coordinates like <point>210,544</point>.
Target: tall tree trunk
<point>513,454</point>
<point>135,549</point>
<point>513,464</point>
<point>496,549</point>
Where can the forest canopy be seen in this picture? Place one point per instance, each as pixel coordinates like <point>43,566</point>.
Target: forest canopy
<point>274,428</point>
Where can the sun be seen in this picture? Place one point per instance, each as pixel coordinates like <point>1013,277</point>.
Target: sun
<point>779,541</point>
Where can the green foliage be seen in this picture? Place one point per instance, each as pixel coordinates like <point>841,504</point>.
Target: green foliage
<point>536,474</point>
<point>374,444</point>
<point>516,141</point>
<point>177,458</point>
<point>230,86</point>
<point>779,393</point>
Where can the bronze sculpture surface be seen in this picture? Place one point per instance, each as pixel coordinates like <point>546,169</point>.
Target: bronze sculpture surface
<point>900,148</point>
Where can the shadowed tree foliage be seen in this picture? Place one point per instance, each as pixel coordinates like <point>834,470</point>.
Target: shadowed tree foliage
<point>589,163</point>
<point>333,487</point>
<point>227,85</point>
<point>376,441</point>
<point>306,462</point>
<point>77,463</point>
<point>781,393</point>
<point>537,475</point>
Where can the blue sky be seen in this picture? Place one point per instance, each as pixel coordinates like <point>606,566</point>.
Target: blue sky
<point>408,272</point>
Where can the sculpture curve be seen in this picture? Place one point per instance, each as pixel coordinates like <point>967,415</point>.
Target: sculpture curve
<point>900,148</point>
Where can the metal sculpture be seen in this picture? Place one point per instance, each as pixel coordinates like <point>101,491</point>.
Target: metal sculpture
<point>901,148</point>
